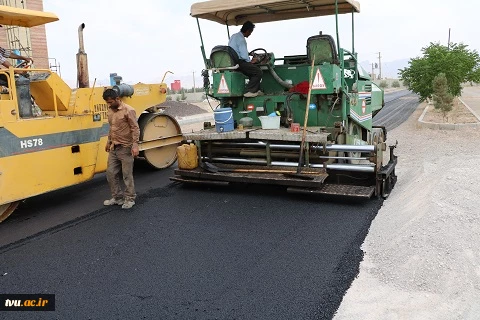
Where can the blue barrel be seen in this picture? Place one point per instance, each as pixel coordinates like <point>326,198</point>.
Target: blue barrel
<point>223,119</point>
<point>112,81</point>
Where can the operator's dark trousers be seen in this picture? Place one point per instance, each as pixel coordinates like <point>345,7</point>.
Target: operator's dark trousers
<point>120,168</point>
<point>253,72</point>
<point>3,80</point>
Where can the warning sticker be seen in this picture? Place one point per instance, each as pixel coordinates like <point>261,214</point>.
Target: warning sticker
<point>318,82</point>
<point>223,87</point>
<point>142,91</point>
<point>364,106</point>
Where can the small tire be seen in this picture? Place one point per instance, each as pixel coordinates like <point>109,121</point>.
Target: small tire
<point>7,209</point>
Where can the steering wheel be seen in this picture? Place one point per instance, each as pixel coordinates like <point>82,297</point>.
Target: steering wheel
<point>261,58</point>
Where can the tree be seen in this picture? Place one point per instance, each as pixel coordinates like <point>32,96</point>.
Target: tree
<point>442,99</point>
<point>458,63</point>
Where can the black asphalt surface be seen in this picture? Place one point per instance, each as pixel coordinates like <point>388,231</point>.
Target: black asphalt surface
<point>183,253</point>
<point>399,106</point>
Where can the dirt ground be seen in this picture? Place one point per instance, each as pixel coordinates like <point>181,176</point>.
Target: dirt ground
<point>459,114</point>
<point>421,254</point>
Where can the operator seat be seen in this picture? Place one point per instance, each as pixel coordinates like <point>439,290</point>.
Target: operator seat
<point>323,47</point>
<point>223,57</point>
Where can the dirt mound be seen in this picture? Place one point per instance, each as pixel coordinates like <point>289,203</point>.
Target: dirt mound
<point>180,109</point>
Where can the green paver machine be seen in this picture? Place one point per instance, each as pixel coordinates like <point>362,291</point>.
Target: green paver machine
<point>323,89</point>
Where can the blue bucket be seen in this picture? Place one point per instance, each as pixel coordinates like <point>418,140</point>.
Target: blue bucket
<point>223,119</point>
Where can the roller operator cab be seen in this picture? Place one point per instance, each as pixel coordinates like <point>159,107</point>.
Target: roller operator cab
<point>52,136</point>
<point>322,89</point>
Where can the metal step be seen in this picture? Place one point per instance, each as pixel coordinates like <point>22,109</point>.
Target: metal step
<point>338,190</point>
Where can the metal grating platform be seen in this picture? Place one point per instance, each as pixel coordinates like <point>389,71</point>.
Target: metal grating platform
<point>283,134</point>
<point>212,134</point>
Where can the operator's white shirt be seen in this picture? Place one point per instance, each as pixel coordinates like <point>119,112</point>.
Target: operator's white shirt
<point>239,44</point>
<point>4,54</point>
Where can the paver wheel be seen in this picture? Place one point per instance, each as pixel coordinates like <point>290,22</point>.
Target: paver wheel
<point>354,130</point>
<point>7,209</point>
<point>154,126</point>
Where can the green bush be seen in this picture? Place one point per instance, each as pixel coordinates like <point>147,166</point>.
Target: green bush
<point>169,98</point>
<point>396,84</point>
<point>178,98</point>
<point>383,84</point>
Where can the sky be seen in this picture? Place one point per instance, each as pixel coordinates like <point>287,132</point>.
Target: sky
<point>140,41</point>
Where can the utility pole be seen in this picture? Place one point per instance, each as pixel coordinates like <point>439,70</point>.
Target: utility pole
<point>193,81</point>
<point>373,73</point>
<point>379,66</point>
<point>448,39</point>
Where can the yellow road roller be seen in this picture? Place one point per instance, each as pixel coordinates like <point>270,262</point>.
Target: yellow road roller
<point>53,136</point>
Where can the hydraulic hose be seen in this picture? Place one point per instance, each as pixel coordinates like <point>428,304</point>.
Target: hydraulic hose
<point>278,79</point>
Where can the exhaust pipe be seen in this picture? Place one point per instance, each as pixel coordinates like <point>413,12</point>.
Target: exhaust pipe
<point>82,63</point>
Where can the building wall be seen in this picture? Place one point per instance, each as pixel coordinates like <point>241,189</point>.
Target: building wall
<point>38,38</point>
<point>33,40</point>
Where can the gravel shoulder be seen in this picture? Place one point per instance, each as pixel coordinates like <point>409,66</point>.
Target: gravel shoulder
<point>421,254</point>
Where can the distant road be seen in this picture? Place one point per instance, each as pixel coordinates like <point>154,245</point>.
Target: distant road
<point>399,105</point>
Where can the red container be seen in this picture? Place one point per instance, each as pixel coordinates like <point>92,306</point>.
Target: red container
<point>176,85</point>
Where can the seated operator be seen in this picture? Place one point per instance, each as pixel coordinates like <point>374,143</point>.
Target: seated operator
<point>247,66</point>
<point>4,55</point>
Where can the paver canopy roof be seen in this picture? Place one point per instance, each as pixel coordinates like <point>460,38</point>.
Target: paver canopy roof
<point>235,12</point>
<point>11,16</point>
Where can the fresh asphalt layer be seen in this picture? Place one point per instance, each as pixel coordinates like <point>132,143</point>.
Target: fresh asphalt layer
<point>399,106</point>
<point>183,253</point>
